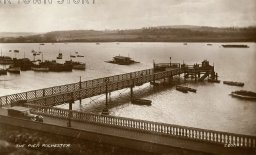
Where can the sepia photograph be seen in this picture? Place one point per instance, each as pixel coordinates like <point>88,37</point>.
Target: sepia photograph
<point>127,77</point>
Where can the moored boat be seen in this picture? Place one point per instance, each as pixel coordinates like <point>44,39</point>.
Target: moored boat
<point>15,70</point>
<point>213,80</point>
<point>141,102</point>
<point>79,66</point>
<point>122,60</point>
<point>182,89</point>
<point>40,69</point>
<point>244,94</point>
<point>5,60</point>
<point>185,89</point>
<point>232,83</point>
<point>3,71</point>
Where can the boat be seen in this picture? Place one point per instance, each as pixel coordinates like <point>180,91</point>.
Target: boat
<point>15,70</point>
<point>185,89</point>
<point>182,89</point>
<point>5,60</point>
<point>80,56</point>
<point>76,65</point>
<point>72,56</point>
<point>3,72</point>
<point>232,83</point>
<point>24,64</point>
<point>141,102</point>
<point>235,46</point>
<point>56,67</point>
<point>244,94</point>
<point>42,44</point>
<point>122,60</point>
<point>213,80</point>
<point>209,44</point>
<point>79,66</point>
<point>40,69</point>
<point>59,56</point>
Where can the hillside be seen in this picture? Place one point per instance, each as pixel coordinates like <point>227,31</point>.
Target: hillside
<point>150,34</point>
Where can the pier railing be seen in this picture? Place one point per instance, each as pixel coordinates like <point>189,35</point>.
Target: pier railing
<point>51,91</point>
<point>210,136</point>
<point>100,88</point>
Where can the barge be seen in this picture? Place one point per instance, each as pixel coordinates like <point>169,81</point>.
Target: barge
<point>232,83</point>
<point>244,94</point>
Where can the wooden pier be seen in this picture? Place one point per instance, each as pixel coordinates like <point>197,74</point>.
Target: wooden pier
<point>84,89</point>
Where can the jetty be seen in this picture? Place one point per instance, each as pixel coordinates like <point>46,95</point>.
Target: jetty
<point>125,132</point>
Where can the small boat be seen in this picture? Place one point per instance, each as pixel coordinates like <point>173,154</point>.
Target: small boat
<point>40,69</point>
<point>5,60</point>
<point>182,89</point>
<point>80,56</point>
<point>235,46</point>
<point>15,70</point>
<point>141,102</point>
<point>59,56</point>
<point>209,44</point>
<point>72,56</point>
<point>81,66</point>
<point>42,44</point>
<point>232,83</point>
<point>244,94</point>
<point>3,72</point>
<point>213,80</point>
<point>185,89</point>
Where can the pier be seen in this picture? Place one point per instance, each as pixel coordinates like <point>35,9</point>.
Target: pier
<point>136,134</point>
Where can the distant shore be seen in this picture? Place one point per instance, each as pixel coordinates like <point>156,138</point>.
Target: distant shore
<point>151,34</point>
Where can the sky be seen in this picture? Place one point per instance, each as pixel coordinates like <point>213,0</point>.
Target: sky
<point>124,14</point>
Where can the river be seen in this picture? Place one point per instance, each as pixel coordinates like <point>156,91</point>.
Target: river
<point>210,108</point>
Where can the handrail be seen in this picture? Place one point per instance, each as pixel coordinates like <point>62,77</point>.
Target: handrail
<point>211,136</point>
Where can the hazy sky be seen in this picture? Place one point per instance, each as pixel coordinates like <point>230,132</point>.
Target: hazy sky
<point>123,14</point>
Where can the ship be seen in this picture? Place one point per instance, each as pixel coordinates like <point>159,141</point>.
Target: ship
<point>232,83</point>
<point>40,69</point>
<point>76,65</point>
<point>5,60</point>
<point>122,60</point>
<point>3,72</point>
<point>15,70</point>
<point>244,94</point>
